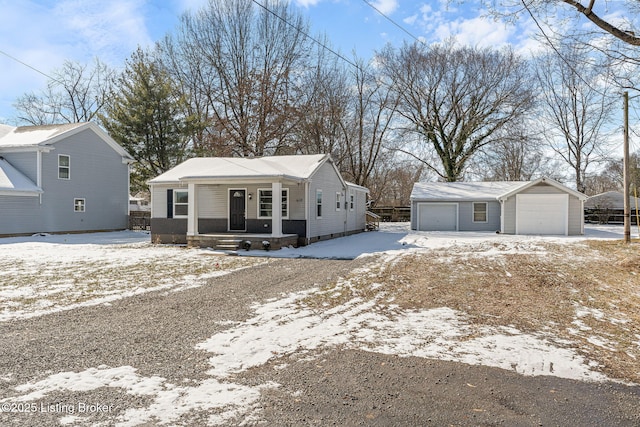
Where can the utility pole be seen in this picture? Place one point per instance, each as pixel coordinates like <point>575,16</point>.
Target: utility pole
<point>625,173</point>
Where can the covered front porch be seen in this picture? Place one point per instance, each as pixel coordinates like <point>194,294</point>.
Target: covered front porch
<point>248,214</point>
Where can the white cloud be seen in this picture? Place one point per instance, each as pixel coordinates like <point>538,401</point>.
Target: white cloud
<point>477,31</point>
<point>385,6</point>
<point>306,3</point>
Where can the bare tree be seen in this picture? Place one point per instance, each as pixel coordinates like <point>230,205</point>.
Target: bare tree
<point>456,99</point>
<point>324,102</point>
<point>576,109</point>
<point>367,126</point>
<point>515,156</point>
<point>250,60</point>
<point>624,26</point>
<point>76,93</point>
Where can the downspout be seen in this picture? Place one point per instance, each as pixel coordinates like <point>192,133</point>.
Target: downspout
<point>502,216</point>
<point>39,173</point>
<point>306,212</point>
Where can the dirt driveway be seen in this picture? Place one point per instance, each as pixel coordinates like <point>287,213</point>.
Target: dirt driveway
<point>140,361</point>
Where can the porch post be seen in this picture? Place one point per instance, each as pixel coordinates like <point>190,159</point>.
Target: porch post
<point>276,211</point>
<point>192,213</point>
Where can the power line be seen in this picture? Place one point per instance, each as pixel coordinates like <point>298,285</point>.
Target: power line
<point>29,66</point>
<point>324,46</point>
<point>393,22</point>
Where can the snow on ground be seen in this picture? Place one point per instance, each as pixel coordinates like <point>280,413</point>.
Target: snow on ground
<point>397,239</point>
<point>42,274</point>
<point>280,329</point>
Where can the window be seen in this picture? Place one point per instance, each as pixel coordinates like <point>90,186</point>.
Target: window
<point>337,201</point>
<point>64,166</point>
<point>351,200</point>
<point>180,203</point>
<point>480,212</point>
<point>78,205</point>
<point>265,203</point>
<point>318,203</point>
<point>285,203</point>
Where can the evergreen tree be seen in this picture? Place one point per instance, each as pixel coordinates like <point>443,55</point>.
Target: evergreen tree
<point>146,115</point>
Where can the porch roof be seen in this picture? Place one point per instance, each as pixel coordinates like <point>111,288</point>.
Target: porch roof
<point>232,169</point>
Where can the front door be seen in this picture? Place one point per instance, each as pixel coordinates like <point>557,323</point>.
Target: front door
<point>237,210</point>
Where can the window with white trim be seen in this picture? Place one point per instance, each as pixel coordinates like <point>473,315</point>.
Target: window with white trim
<point>285,203</point>
<point>64,166</point>
<point>337,201</point>
<point>318,203</point>
<point>265,203</point>
<point>480,211</point>
<point>79,205</point>
<point>351,200</point>
<point>180,203</point>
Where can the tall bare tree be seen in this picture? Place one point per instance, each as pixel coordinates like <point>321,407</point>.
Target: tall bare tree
<point>323,104</point>
<point>456,99</point>
<point>367,126</point>
<point>249,69</point>
<point>576,110</point>
<point>75,93</point>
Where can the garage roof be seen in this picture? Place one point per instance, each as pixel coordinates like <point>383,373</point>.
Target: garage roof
<point>479,191</point>
<point>437,191</point>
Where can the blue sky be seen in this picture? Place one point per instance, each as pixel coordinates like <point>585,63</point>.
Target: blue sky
<point>45,33</point>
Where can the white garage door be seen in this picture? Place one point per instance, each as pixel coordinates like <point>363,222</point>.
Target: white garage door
<point>542,213</point>
<point>437,217</point>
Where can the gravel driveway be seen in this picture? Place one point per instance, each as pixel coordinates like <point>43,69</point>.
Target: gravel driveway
<point>157,334</point>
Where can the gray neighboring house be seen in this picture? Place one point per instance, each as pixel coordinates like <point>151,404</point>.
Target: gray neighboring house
<point>608,208</point>
<point>62,178</point>
<point>540,207</point>
<point>224,202</point>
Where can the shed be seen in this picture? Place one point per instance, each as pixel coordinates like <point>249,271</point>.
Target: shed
<point>543,207</point>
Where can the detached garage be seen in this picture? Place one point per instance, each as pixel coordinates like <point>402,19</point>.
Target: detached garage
<point>540,207</point>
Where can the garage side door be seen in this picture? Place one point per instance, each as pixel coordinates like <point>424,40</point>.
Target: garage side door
<point>542,213</point>
<point>437,217</point>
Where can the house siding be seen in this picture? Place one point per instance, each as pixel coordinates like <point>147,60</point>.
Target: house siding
<point>213,208</point>
<point>98,175</point>
<point>465,215</point>
<point>20,215</point>
<point>25,162</point>
<point>332,222</point>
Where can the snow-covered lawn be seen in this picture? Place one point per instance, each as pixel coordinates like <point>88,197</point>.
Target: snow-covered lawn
<point>43,274</point>
<point>48,273</point>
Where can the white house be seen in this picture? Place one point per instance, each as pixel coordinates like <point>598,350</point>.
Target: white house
<point>543,207</point>
<point>227,201</point>
<point>62,178</point>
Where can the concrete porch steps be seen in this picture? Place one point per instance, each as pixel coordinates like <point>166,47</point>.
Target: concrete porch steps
<point>228,244</point>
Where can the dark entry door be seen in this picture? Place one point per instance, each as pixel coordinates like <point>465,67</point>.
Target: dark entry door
<point>237,210</point>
